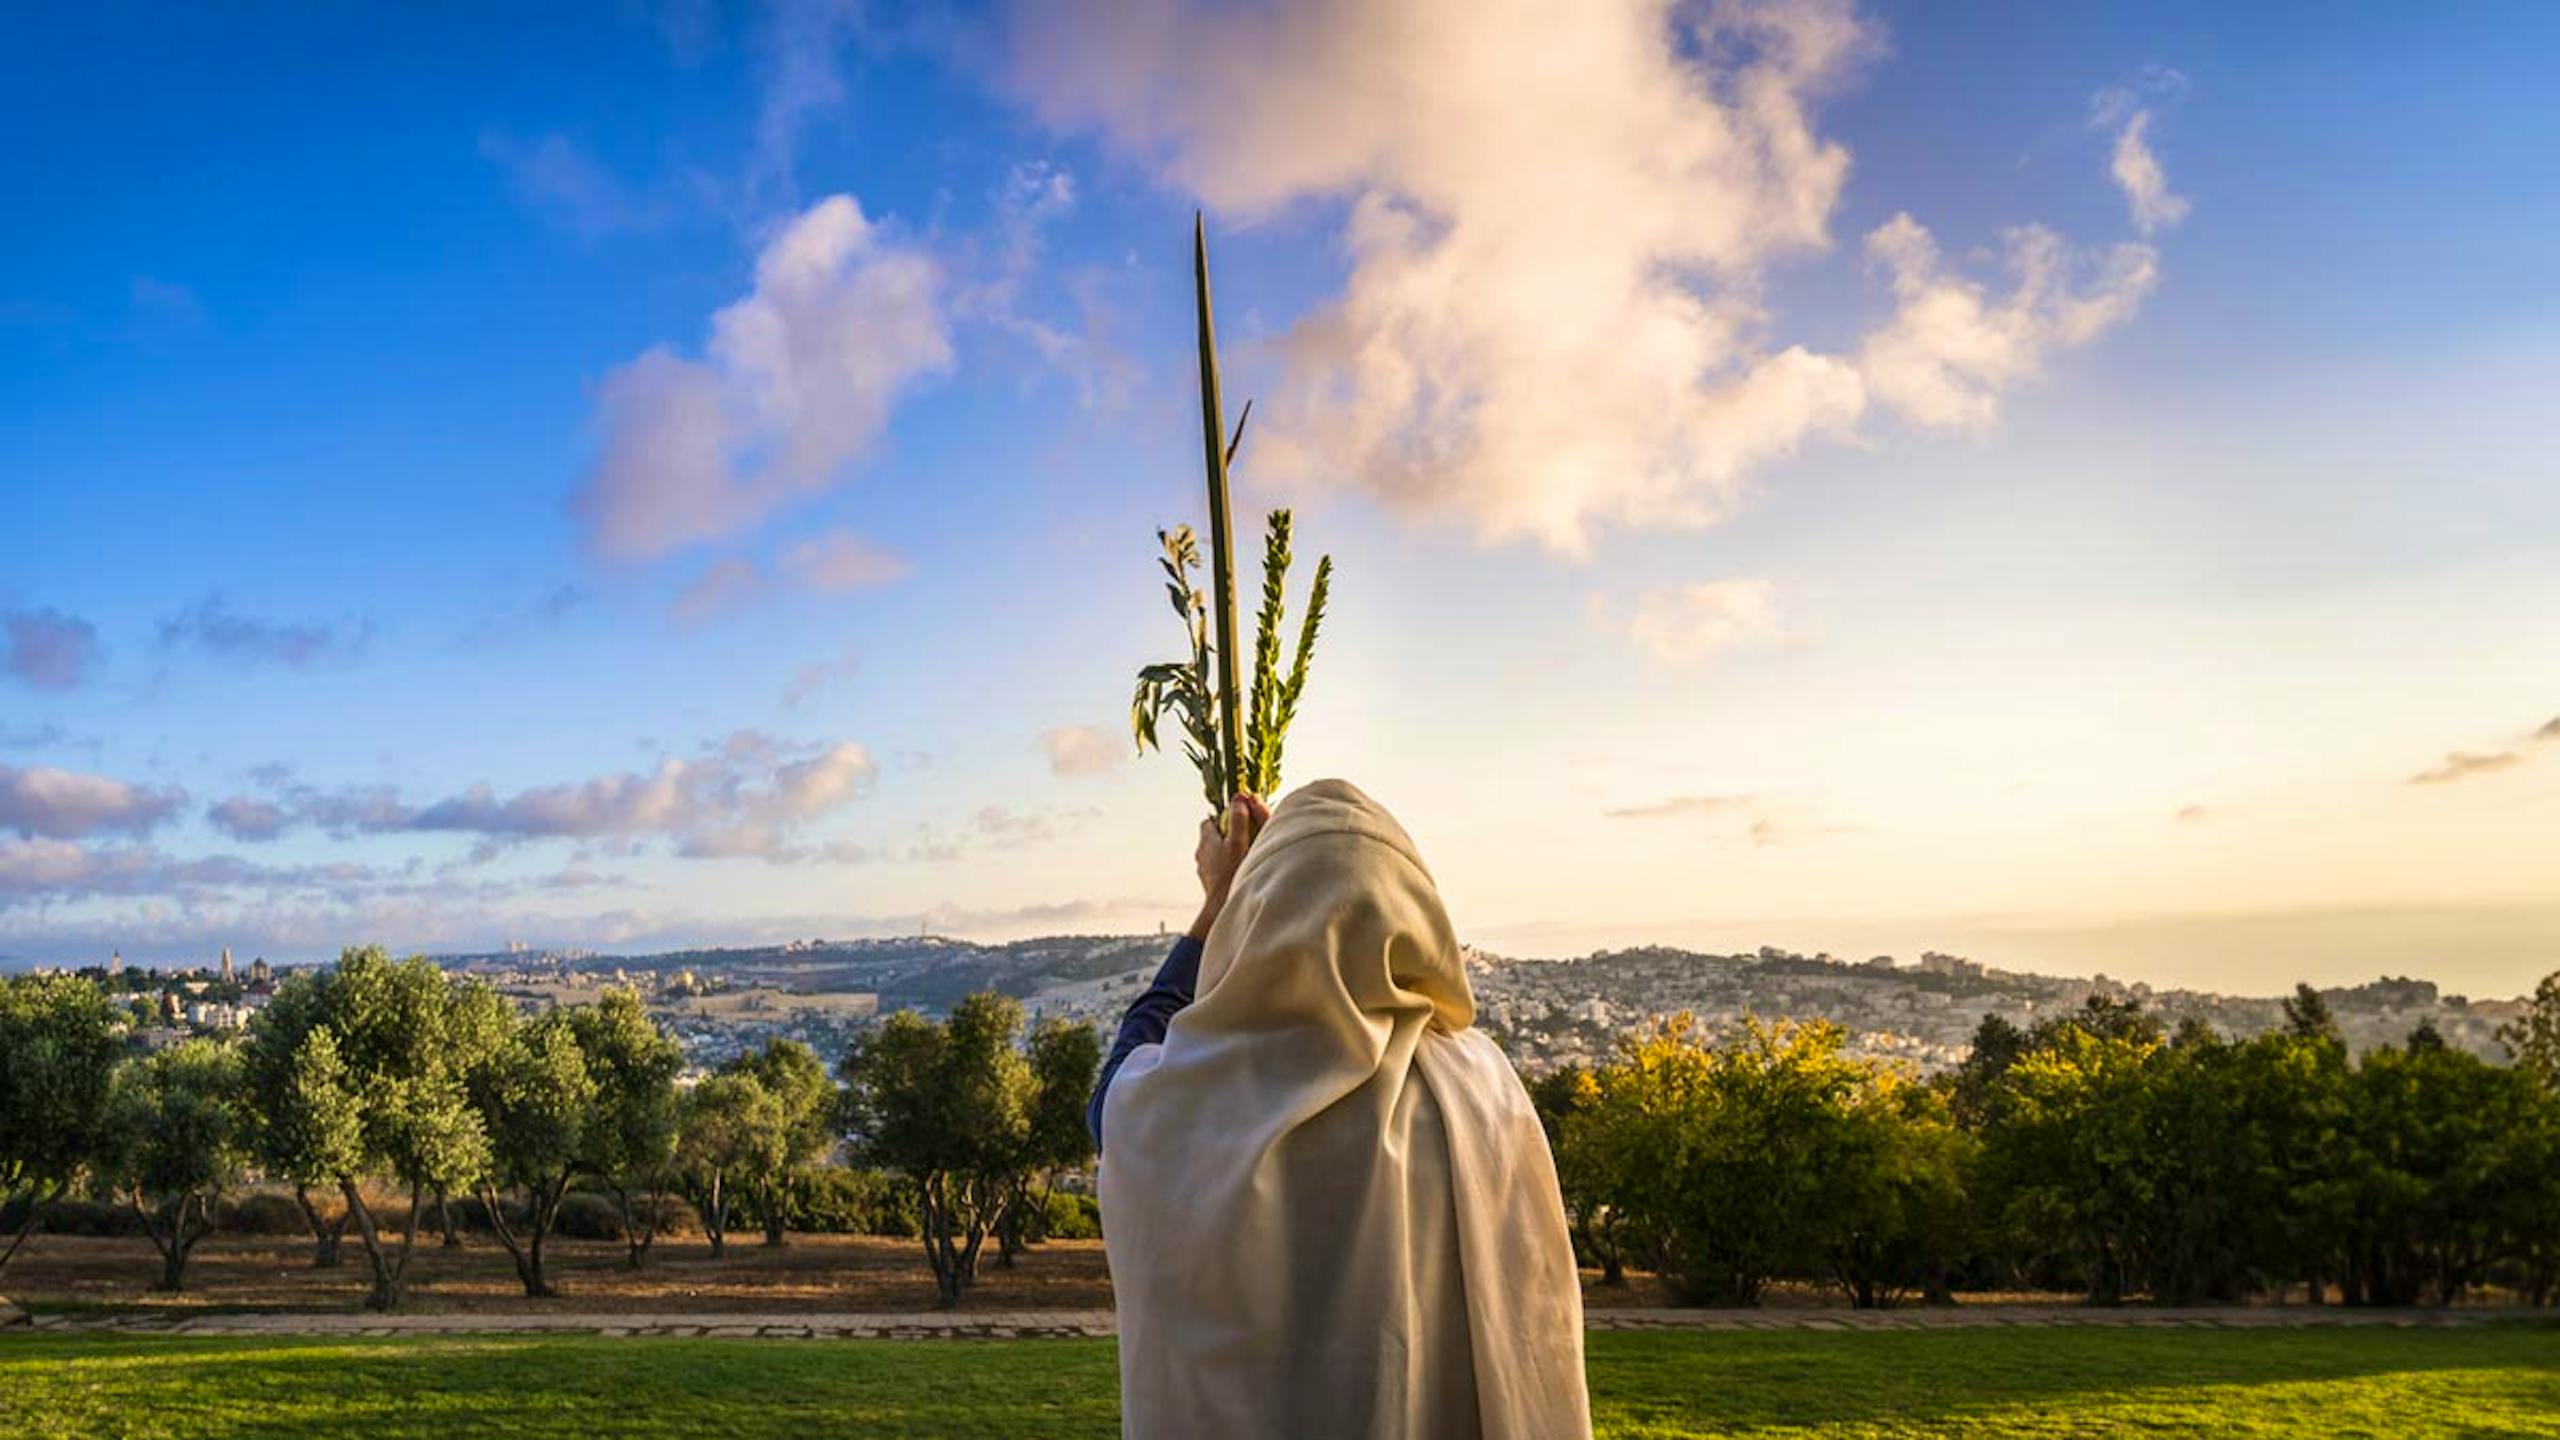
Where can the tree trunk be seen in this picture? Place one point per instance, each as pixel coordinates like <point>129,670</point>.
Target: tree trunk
<point>773,1194</point>
<point>326,1235</point>
<point>541,1203</point>
<point>1009,1218</point>
<point>167,1229</point>
<point>36,1201</point>
<point>390,1269</point>
<point>444,1218</point>
<point>715,1218</point>
<point>637,1237</point>
<point>935,1219</point>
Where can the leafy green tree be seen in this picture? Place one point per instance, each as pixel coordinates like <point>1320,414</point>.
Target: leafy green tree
<point>309,1126</point>
<point>799,1082</point>
<point>631,1140</point>
<point>942,1105</point>
<point>732,1128</point>
<point>2291,1092</point>
<point>1588,1163</point>
<point>1997,1044</point>
<point>1898,1216</point>
<point>59,1040</point>
<point>1064,1057</point>
<point>2533,1038</point>
<point>2435,1170</point>
<point>2066,1159</point>
<point>2306,1015</point>
<point>404,1040</point>
<point>2529,1206</point>
<point>174,1138</point>
<point>537,1100</point>
<point>1731,1154</point>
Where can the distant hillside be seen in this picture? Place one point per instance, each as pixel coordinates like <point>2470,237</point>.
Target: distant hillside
<point>1548,1012</point>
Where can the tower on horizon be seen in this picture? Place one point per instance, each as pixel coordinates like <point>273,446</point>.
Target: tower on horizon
<point>226,964</point>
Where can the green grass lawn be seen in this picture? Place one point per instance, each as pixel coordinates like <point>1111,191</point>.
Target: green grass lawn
<point>2482,1381</point>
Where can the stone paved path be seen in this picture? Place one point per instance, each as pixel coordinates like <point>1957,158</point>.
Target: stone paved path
<point>1051,1324</point>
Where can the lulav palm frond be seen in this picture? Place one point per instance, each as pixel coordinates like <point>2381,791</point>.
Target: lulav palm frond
<point>1262,741</point>
<point>1186,687</point>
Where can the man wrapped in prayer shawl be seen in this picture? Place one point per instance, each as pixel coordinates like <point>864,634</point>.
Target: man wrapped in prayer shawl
<point>1328,1205</point>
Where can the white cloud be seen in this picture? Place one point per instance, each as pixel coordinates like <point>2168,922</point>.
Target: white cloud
<point>1559,223</point>
<point>1953,347</point>
<point>47,872</point>
<point>748,795</point>
<point>45,803</point>
<point>841,560</point>
<point>2146,185</point>
<point>744,798</point>
<point>1080,750</point>
<point>797,385</point>
<point>2137,170</point>
<point>246,817</point>
<point>1684,624</point>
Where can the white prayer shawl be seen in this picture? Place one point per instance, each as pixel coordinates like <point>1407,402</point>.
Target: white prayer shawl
<point>1328,1205</point>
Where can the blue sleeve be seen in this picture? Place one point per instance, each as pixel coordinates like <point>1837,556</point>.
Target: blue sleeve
<point>1145,1021</point>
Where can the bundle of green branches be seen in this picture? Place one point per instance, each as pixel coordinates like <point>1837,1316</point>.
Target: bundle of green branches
<point>1188,687</point>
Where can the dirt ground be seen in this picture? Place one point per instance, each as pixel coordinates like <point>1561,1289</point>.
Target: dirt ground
<point>811,1273</point>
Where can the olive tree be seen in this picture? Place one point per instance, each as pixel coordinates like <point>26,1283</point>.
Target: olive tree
<point>630,1144</point>
<point>798,1082</point>
<point>732,1128</point>
<point>536,1099</point>
<point>308,1124</point>
<point>941,1104</point>
<point>174,1138</point>
<point>1064,1056</point>
<point>59,1039</point>
<point>405,1036</point>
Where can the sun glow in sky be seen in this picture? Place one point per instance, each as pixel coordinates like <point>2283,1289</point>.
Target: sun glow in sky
<point>2070,485</point>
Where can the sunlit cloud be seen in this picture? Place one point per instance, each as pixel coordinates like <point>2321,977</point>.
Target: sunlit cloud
<point>46,803</point>
<point>797,385</point>
<point>1762,821</point>
<point>1685,624</point>
<point>1080,751</point>
<point>2126,111</point>
<point>749,795</point>
<point>1954,346</point>
<point>840,560</point>
<point>2464,764</point>
<point>1673,806</point>
<point>2467,764</point>
<point>1560,221</point>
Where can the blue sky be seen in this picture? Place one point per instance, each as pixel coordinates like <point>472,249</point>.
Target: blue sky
<point>1776,570</point>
